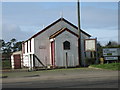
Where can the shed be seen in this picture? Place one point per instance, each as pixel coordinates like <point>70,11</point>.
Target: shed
<point>16,60</point>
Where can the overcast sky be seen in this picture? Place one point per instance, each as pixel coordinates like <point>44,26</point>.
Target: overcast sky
<point>21,20</point>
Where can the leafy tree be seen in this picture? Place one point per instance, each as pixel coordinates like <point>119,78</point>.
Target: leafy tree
<point>112,44</point>
<point>99,49</point>
<point>2,43</point>
<point>109,43</point>
<point>11,46</point>
<point>13,40</point>
<point>17,46</point>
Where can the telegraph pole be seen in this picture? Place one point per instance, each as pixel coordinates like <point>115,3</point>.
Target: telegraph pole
<point>79,32</point>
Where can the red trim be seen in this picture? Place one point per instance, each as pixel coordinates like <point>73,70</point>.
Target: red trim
<point>53,53</point>
<point>61,31</point>
<point>61,19</point>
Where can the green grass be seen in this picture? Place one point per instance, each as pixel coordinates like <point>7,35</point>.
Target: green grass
<point>6,64</point>
<point>111,66</point>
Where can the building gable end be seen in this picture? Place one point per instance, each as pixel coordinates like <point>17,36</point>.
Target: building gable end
<point>61,19</point>
<point>61,31</point>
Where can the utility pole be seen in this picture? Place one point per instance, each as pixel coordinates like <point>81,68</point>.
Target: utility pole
<point>79,33</point>
<point>96,52</point>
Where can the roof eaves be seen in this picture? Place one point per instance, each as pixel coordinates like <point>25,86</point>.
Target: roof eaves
<point>54,24</point>
<point>60,31</point>
<point>44,29</point>
<point>76,27</point>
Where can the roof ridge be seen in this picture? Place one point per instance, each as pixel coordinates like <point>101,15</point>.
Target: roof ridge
<point>60,19</point>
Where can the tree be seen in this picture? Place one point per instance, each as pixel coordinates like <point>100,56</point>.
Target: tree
<point>11,46</point>
<point>13,42</point>
<point>18,46</point>
<point>112,44</point>
<point>2,43</point>
<point>99,50</point>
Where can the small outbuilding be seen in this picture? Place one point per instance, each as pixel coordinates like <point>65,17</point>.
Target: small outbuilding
<point>16,60</point>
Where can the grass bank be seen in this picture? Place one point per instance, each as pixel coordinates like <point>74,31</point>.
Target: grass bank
<point>111,66</point>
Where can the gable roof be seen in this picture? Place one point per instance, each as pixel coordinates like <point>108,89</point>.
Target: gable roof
<point>61,31</point>
<point>54,24</point>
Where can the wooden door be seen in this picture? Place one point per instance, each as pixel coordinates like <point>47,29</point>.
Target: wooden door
<point>17,61</point>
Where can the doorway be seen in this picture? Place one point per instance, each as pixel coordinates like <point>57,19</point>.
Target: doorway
<point>17,61</point>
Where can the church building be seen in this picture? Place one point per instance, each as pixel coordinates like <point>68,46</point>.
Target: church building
<point>55,46</point>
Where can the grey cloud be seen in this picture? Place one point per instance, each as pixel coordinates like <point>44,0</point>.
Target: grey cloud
<point>10,31</point>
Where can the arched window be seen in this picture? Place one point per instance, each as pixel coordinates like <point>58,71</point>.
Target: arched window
<point>66,45</point>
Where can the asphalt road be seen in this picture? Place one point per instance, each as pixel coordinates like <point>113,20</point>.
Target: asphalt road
<point>78,78</point>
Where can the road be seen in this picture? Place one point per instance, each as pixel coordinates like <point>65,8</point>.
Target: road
<point>75,78</point>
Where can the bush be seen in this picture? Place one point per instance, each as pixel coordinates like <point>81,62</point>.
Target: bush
<point>90,61</point>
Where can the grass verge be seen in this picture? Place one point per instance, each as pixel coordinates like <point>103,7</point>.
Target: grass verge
<point>110,66</point>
